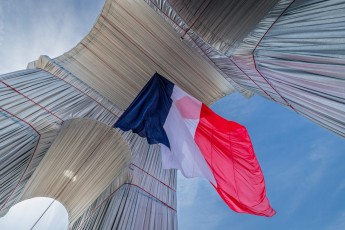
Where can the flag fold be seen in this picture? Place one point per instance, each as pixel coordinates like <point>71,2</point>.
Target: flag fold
<point>199,143</point>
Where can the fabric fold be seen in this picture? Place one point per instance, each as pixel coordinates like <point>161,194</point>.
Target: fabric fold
<point>199,143</point>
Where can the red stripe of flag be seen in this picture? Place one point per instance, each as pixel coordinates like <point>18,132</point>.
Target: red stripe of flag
<point>228,150</point>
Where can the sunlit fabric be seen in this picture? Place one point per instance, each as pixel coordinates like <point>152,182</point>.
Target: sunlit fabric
<point>292,56</point>
<point>303,56</point>
<point>81,148</point>
<point>34,106</point>
<point>288,51</point>
<point>199,143</point>
<point>129,43</point>
<point>147,200</point>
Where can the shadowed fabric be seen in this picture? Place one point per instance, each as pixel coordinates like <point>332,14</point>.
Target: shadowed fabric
<point>222,24</point>
<point>293,56</point>
<point>303,56</point>
<point>34,105</point>
<point>83,161</point>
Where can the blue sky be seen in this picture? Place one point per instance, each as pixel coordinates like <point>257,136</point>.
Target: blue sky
<point>303,164</point>
<point>30,28</point>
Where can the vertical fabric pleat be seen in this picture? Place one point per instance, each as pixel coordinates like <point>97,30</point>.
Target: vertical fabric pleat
<point>293,55</point>
<point>127,45</point>
<point>222,24</point>
<point>289,51</point>
<point>35,104</point>
<point>303,56</point>
<point>83,160</point>
<point>146,201</point>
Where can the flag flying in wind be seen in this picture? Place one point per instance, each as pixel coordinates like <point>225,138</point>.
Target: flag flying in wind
<point>199,143</point>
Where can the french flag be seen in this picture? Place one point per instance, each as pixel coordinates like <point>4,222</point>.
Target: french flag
<point>199,143</point>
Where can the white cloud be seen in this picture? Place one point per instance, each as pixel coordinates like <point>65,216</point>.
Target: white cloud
<point>31,29</point>
<point>308,184</point>
<point>309,171</point>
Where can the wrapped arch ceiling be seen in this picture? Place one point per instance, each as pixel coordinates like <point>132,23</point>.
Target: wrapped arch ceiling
<point>289,51</point>
<point>127,45</point>
<point>81,148</point>
<point>261,47</point>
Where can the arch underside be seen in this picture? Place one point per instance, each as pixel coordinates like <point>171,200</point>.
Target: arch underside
<point>37,123</point>
<point>273,54</point>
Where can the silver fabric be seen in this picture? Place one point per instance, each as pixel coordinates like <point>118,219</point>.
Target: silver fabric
<point>127,45</point>
<point>289,51</point>
<point>218,60</point>
<point>294,55</point>
<point>303,56</point>
<point>34,104</point>
<point>132,206</point>
<point>222,24</point>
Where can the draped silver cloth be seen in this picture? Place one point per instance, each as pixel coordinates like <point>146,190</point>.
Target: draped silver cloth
<point>303,57</point>
<point>84,159</point>
<point>291,52</point>
<point>127,45</point>
<point>34,106</point>
<point>293,56</point>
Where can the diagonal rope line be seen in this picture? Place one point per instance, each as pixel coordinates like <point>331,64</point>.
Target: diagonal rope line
<point>63,189</point>
<point>42,215</point>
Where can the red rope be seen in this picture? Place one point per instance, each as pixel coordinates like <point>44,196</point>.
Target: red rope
<point>206,53</point>
<point>80,91</point>
<point>165,204</point>
<point>287,103</point>
<point>42,107</point>
<point>32,155</point>
<point>281,14</point>
<point>111,194</point>
<point>252,80</point>
<point>39,135</point>
<point>197,18</point>
<point>153,177</point>
<point>186,31</point>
